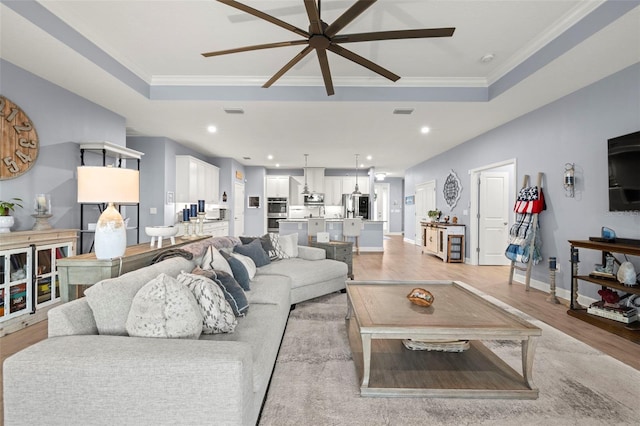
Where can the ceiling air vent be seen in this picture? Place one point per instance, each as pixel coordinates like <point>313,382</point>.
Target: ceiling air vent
<point>403,111</point>
<point>234,110</point>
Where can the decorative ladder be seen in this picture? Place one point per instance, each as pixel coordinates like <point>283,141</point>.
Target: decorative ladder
<point>527,266</point>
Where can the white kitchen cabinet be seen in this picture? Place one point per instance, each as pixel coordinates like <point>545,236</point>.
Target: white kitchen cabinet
<point>349,184</point>
<point>296,184</point>
<point>315,179</point>
<point>278,186</point>
<point>196,180</point>
<point>333,190</point>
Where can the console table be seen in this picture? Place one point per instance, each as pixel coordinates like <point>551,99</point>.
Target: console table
<point>445,240</point>
<point>628,331</point>
<point>86,270</point>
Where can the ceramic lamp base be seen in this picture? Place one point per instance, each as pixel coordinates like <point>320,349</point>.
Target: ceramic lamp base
<point>111,235</point>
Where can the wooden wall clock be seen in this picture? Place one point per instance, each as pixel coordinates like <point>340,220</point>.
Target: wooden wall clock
<point>19,144</point>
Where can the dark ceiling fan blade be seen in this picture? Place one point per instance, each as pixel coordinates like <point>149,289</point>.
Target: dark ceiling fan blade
<point>326,72</point>
<point>255,47</point>
<point>345,19</point>
<point>345,53</point>
<point>394,35</point>
<point>288,66</point>
<point>314,16</point>
<point>266,17</point>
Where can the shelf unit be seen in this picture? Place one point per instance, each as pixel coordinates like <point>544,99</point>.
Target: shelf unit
<point>29,278</point>
<point>119,153</point>
<point>628,331</point>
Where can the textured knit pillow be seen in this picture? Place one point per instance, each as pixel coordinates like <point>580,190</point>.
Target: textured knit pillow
<point>248,264</point>
<point>218,317</point>
<point>233,293</point>
<point>164,308</point>
<point>239,271</point>
<point>277,249</point>
<point>255,252</point>
<point>214,260</point>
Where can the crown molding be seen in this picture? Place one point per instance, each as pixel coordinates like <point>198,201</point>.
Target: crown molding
<point>572,17</point>
<point>208,80</point>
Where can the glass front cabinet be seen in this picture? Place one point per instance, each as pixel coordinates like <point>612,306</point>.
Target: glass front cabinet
<point>28,273</point>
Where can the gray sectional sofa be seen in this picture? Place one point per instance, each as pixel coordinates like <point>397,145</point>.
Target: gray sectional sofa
<point>80,376</point>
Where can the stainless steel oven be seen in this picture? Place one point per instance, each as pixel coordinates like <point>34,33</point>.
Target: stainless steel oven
<point>272,223</point>
<point>277,208</point>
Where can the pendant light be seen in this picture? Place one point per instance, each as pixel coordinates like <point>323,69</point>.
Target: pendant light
<point>305,191</point>
<point>356,191</point>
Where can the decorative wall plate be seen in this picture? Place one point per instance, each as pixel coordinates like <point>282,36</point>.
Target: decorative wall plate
<point>452,189</point>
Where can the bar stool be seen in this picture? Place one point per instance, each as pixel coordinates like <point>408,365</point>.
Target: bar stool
<point>352,228</point>
<point>314,226</point>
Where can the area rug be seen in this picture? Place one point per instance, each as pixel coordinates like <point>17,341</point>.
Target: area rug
<point>314,382</point>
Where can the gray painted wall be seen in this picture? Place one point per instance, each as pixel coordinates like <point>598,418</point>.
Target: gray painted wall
<point>62,120</point>
<point>396,204</point>
<point>254,219</point>
<point>157,177</point>
<point>573,129</point>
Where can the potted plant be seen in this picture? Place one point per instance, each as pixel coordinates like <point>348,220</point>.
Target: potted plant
<point>434,215</point>
<point>6,207</point>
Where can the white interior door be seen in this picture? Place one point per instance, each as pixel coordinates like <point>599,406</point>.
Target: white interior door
<point>425,201</point>
<point>238,210</point>
<point>493,218</point>
<point>381,205</point>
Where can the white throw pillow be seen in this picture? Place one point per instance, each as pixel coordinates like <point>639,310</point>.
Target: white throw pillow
<point>164,308</point>
<point>289,244</point>
<point>218,317</point>
<point>248,263</point>
<point>214,260</point>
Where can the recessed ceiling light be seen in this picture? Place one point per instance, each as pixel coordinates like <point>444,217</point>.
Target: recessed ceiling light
<point>424,130</point>
<point>403,111</point>
<point>235,110</point>
<point>212,129</point>
<point>269,157</point>
<point>487,58</point>
<point>369,157</point>
<point>277,164</point>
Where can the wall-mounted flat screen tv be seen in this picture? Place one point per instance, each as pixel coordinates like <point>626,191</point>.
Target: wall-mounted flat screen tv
<point>624,172</point>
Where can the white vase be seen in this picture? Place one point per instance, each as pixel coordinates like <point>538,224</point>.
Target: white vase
<point>6,222</point>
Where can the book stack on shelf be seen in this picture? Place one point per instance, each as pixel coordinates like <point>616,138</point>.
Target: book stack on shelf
<point>625,314</point>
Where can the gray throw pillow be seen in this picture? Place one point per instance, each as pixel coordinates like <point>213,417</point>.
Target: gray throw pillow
<point>255,251</point>
<point>238,270</point>
<point>267,245</point>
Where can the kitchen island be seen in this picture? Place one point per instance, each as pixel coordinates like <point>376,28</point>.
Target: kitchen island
<point>371,237</point>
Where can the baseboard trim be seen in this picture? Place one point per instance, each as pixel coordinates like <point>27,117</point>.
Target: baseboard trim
<point>407,240</point>
<point>560,292</point>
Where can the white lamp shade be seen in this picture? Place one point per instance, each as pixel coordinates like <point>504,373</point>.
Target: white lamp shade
<point>108,185</point>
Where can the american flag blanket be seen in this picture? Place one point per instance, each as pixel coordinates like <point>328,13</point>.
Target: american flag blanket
<point>521,234</point>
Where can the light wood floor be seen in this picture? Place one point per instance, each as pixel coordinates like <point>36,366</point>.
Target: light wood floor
<point>402,261</point>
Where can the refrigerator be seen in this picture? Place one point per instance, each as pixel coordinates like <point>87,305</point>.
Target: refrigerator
<point>355,205</point>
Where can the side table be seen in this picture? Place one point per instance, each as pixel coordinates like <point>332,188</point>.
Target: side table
<point>338,250</point>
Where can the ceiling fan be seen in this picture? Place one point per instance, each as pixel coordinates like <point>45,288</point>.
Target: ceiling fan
<point>322,37</point>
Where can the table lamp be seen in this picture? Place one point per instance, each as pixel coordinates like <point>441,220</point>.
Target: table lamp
<point>109,185</point>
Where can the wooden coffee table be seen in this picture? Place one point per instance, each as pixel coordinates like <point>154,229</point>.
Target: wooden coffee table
<point>380,316</point>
